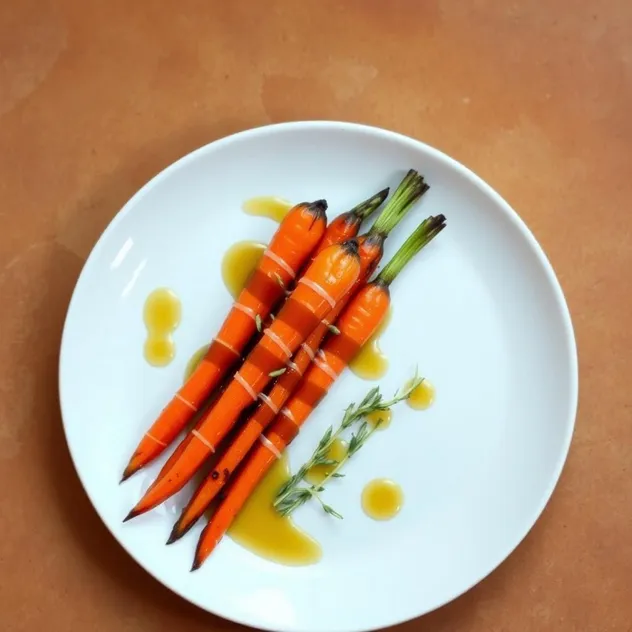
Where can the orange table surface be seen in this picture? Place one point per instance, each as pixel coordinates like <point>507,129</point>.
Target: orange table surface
<point>97,96</point>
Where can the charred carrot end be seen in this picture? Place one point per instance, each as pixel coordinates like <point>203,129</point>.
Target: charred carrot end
<point>347,225</point>
<point>130,515</point>
<point>212,485</point>
<point>131,469</point>
<point>177,532</point>
<point>162,432</point>
<point>366,208</point>
<point>180,529</point>
<point>318,207</point>
<point>135,511</point>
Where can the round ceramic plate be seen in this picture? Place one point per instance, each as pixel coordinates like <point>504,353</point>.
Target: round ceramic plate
<point>479,312</point>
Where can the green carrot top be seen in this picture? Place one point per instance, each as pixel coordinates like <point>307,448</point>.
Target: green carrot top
<point>422,235</point>
<point>410,189</point>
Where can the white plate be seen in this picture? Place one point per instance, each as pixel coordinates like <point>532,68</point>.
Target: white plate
<point>480,312</point>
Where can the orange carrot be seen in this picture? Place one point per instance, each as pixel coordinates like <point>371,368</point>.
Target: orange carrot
<point>340,229</point>
<point>357,323</point>
<point>295,239</point>
<point>326,280</point>
<point>202,382</point>
<point>370,250</point>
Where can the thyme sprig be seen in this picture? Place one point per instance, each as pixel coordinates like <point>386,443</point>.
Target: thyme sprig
<point>293,494</point>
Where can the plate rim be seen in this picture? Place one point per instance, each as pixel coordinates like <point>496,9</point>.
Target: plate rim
<point>393,136</point>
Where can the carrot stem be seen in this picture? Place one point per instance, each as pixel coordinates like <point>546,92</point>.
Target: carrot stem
<point>422,235</point>
<point>410,189</point>
<point>364,209</point>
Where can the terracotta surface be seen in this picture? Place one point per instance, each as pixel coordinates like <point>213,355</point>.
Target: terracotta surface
<point>97,96</point>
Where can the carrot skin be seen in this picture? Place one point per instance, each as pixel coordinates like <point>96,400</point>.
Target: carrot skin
<point>214,482</point>
<point>341,228</point>
<point>297,236</point>
<point>260,461</point>
<point>326,281</point>
<point>357,324</point>
<point>370,251</point>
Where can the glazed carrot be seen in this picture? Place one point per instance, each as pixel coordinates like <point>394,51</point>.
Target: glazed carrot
<point>295,239</point>
<point>370,250</point>
<point>326,280</point>
<point>357,323</point>
<point>343,227</point>
<point>218,360</point>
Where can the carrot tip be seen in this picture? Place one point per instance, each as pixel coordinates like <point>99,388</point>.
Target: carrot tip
<point>320,205</point>
<point>351,246</point>
<point>179,530</point>
<point>129,470</point>
<point>196,564</point>
<point>132,514</point>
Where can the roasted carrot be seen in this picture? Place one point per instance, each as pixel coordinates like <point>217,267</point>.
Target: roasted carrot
<point>357,323</point>
<point>295,239</point>
<point>219,358</point>
<point>370,250</point>
<point>326,280</point>
<point>343,227</point>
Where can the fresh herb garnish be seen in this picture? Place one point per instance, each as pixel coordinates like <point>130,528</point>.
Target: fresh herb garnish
<point>292,494</point>
<point>277,372</point>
